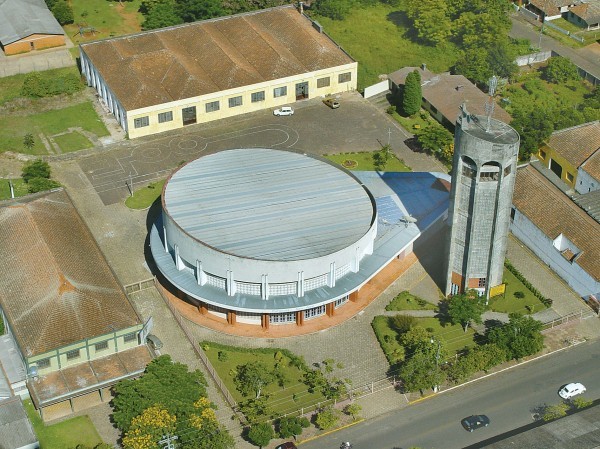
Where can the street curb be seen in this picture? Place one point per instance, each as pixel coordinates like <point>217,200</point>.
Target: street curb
<point>358,421</point>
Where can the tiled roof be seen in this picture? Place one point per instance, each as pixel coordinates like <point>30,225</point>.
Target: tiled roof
<point>588,11</point>
<point>22,18</point>
<point>200,58</point>
<point>554,213</point>
<point>56,287</point>
<point>447,92</point>
<point>551,5</point>
<point>578,143</point>
<point>592,165</point>
<point>590,202</point>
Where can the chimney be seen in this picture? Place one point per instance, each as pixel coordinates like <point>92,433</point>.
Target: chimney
<point>301,7</point>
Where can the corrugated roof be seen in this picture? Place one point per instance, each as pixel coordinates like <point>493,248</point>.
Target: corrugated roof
<point>15,429</point>
<point>22,18</point>
<point>577,144</point>
<point>56,287</point>
<point>448,92</point>
<point>554,213</point>
<point>200,58</point>
<point>588,11</point>
<point>268,204</point>
<point>590,202</point>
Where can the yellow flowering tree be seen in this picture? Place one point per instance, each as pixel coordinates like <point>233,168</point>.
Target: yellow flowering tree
<point>148,428</point>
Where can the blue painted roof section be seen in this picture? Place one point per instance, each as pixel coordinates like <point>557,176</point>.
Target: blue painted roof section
<point>419,194</point>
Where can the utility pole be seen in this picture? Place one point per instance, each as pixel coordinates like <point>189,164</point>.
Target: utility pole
<point>437,359</point>
<point>169,441</point>
<point>389,135</point>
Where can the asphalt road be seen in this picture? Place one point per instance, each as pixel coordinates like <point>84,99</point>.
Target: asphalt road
<point>509,399</point>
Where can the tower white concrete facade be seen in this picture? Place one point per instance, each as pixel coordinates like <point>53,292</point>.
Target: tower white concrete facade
<point>483,178</point>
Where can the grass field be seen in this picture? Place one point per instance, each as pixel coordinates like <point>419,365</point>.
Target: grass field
<point>109,18</point>
<point>72,141</point>
<point>378,37</point>
<point>65,434</point>
<point>14,127</point>
<point>19,187</point>
<point>406,301</point>
<point>510,303</point>
<point>281,400</point>
<point>10,86</point>
<point>144,197</point>
<point>364,161</point>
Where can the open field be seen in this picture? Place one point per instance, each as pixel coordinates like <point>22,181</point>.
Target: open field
<point>510,303</point>
<point>406,301</point>
<point>10,86</point>
<point>144,197</point>
<point>19,186</point>
<point>364,161</point>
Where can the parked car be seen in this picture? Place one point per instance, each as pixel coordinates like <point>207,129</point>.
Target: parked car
<point>154,342</point>
<point>284,110</point>
<point>475,422</point>
<point>331,102</point>
<point>570,390</point>
<point>287,445</point>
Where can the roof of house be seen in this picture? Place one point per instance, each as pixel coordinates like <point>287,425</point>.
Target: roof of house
<point>554,213</point>
<point>592,165</point>
<point>22,18</point>
<point>210,56</point>
<point>15,429</point>
<point>447,92</point>
<point>588,11</point>
<point>56,287</point>
<point>548,5</point>
<point>589,202</point>
<point>577,144</point>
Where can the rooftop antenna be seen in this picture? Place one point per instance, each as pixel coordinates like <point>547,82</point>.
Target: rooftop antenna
<point>489,105</point>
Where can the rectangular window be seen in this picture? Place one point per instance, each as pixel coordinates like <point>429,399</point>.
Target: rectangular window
<point>569,177</point>
<point>101,346</point>
<point>258,96</point>
<point>323,82</point>
<point>141,122</point>
<point>481,282</point>
<point>74,354</point>
<point>43,363</point>
<point>165,117</point>
<point>543,154</point>
<point>212,106</point>
<point>129,337</point>
<point>507,170</point>
<point>280,91</point>
<point>344,77</point>
<point>235,102</point>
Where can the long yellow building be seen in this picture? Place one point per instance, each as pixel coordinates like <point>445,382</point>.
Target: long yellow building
<point>195,73</point>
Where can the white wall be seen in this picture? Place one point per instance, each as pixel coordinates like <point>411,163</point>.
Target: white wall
<point>585,183</point>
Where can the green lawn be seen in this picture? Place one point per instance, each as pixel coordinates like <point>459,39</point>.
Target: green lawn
<point>364,161</point>
<point>14,127</point>
<point>282,400</point>
<point>388,339</point>
<point>72,141</point>
<point>416,123</point>
<point>144,197</point>
<point>452,335</point>
<point>508,302</point>
<point>378,37</point>
<point>109,18</point>
<point>406,301</point>
<point>10,86</point>
<point>65,434</point>
<point>19,187</point>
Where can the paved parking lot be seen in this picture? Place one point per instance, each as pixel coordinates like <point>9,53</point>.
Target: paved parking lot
<point>314,128</point>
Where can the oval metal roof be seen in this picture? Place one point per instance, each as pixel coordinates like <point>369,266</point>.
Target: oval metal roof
<point>268,204</point>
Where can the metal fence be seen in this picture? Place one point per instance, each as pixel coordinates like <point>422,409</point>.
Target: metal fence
<point>563,31</point>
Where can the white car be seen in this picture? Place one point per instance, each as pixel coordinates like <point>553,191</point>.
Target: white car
<point>284,110</point>
<point>570,390</point>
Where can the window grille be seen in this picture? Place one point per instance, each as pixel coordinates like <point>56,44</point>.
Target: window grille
<point>314,312</point>
<point>212,106</point>
<point>258,96</point>
<point>247,288</point>
<point>141,122</point>
<point>323,82</point>
<point>316,282</point>
<point>282,318</point>
<point>288,288</point>
<point>73,354</point>
<point>129,337</point>
<point>344,77</point>
<point>101,346</point>
<point>235,102</point>
<point>165,117</point>
<point>280,91</point>
<point>215,281</point>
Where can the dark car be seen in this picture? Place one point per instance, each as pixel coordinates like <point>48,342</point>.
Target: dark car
<point>475,422</point>
<point>288,445</point>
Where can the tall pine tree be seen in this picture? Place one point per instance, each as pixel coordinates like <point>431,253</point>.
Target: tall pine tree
<point>411,98</point>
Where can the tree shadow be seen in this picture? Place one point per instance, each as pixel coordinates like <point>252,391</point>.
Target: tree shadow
<point>401,20</point>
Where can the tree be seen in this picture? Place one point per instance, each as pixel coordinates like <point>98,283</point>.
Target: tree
<point>353,410</point>
<point>560,70</point>
<point>160,15</point>
<point>28,141</point>
<point>555,411</point>
<point>334,9</point>
<point>192,10</point>
<point>402,323</point>
<point>381,157</point>
<point>327,417</point>
<point>36,169</point>
<point>464,308</point>
<point>63,12</point>
<point>41,184</point>
<point>148,428</point>
<point>434,138</point>
<point>520,337</point>
<point>534,126</point>
<point>431,19</point>
<point>261,434</point>
<point>421,372</point>
<point>252,378</point>
<point>254,409</point>
<point>412,94</point>
<point>289,426</point>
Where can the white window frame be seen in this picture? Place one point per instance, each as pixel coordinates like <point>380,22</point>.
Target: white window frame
<point>210,106</point>
<point>235,102</point>
<point>257,97</point>
<point>141,122</point>
<point>165,117</point>
<point>279,91</point>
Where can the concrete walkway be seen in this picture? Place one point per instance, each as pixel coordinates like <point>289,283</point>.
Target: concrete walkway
<point>37,61</point>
